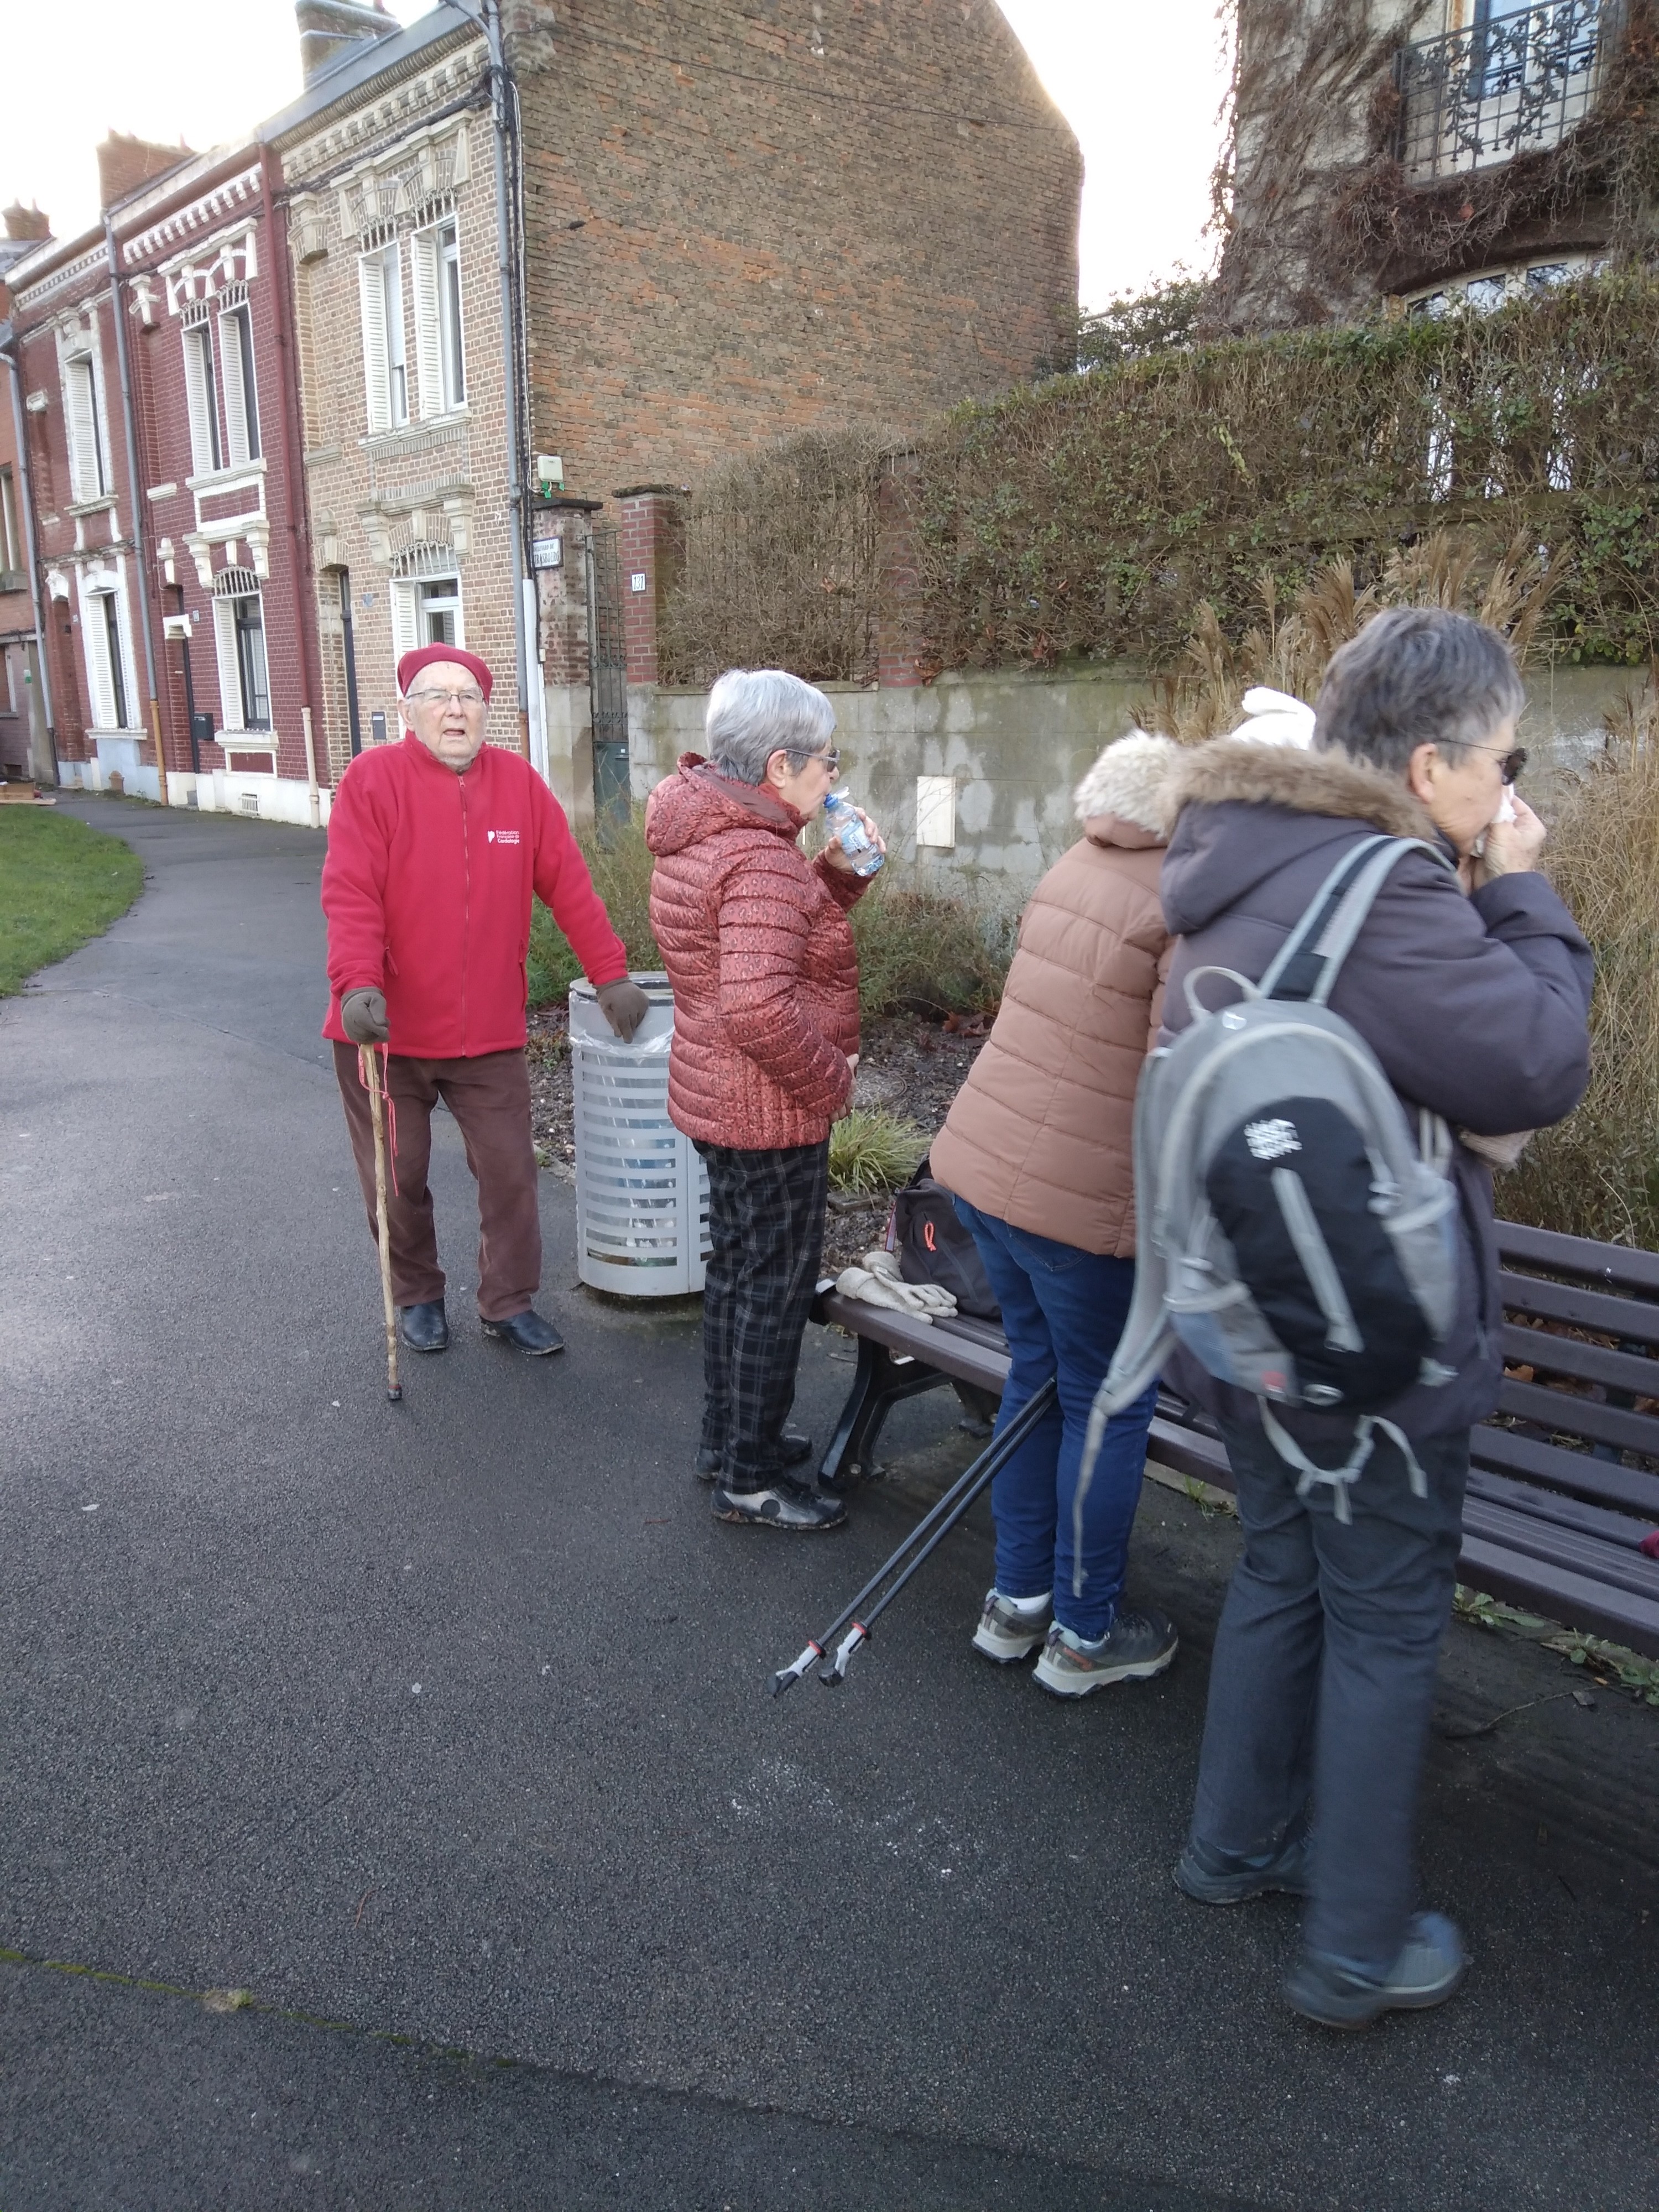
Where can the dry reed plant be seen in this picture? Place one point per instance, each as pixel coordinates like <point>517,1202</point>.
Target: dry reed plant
<point>1597,1174</point>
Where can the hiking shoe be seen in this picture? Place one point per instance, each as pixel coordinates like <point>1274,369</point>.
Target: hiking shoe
<point>1004,1633</point>
<point>527,1331</point>
<point>1431,1965</point>
<point>424,1328</point>
<point>785,1505</point>
<point>1136,1646</point>
<point>793,1450</point>
<point>1218,1877</point>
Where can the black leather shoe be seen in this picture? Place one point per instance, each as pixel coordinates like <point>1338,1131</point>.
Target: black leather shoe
<point>424,1328</point>
<point>527,1332</point>
<point>797,1450</point>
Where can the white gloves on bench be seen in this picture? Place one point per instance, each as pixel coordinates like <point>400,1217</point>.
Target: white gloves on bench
<point>876,1281</point>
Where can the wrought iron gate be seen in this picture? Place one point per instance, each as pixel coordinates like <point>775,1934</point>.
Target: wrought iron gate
<point>607,664</point>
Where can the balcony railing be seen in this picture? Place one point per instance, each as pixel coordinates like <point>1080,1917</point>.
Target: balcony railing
<point>1510,84</point>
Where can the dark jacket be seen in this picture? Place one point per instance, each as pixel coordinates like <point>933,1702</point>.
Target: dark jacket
<point>1475,1006</point>
<point>756,941</point>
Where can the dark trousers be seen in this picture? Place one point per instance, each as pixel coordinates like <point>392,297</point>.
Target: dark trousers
<point>766,1230</point>
<point>490,1097</point>
<point>1323,1681</point>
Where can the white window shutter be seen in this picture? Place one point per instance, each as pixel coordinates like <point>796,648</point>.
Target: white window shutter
<point>230,679</point>
<point>230,368</point>
<point>95,642</point>
<point>406,621</point>
<point>199,400</point>
<point>371,288</point>
<point>81,404</point>
<point>428,329</point>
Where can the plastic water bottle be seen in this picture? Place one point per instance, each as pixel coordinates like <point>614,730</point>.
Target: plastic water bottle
<point>851,834</point>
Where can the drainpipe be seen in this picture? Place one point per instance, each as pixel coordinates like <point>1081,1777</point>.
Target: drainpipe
<point>137,490</point>
<point>508,264</point>
<point>31,551</point>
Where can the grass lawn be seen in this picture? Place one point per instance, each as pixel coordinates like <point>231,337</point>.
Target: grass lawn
<point>60,884</point>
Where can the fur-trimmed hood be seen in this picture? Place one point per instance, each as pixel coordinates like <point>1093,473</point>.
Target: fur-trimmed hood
<point>1131,787</point>
<point>1246,809</point>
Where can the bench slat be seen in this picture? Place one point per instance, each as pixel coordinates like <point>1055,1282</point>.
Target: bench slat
<point>1560,1595</point>
<point>1598,1310</point>
<point>1568,1548</point>
<point>1581,1417</point>
<point>1579,1475</point>
<point>1621,1528</point>
<point>952,1354</point>
<point>1585,1362</point>
<point>1580,1255</point>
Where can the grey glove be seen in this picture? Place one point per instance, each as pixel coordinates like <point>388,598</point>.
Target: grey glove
<point>624,1005</point>
<point>362,1016</point>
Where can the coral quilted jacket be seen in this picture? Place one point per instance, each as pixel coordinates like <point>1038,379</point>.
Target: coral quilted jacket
<point>756,941</point>
<point>427,889</point>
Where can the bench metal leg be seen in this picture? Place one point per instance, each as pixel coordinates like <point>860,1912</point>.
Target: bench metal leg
<point>879,1383</point>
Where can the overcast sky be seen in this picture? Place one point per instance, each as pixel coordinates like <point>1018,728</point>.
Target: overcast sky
<point>1139,86</point>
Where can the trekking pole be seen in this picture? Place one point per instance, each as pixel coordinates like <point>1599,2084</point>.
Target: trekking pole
<point>368,1060</point>
<point>937,1524</point>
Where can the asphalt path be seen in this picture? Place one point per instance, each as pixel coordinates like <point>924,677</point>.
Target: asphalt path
<point>440,1730</point>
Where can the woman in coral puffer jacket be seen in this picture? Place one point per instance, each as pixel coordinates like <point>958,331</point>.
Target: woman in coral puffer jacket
<point>756,941</point>
<point>1038,1149</point>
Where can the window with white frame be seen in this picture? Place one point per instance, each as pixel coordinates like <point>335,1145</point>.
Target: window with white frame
<point>202,399</point>
<point>87,450</point>
<point>1497,288</point>
<point>104,644</point>
<point>386,376</point>
<point>238,637</point>
<point>441,356</point>
<point>11,543</point>
<point>241,399</point>
<point>426,605</point>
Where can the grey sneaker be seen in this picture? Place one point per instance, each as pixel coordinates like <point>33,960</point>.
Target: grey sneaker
<point>1136,1646</point>
<point>1218,1877</point>
<point>1428,1971</point>
<point>1006,1634</point>
<point>785,1505</point>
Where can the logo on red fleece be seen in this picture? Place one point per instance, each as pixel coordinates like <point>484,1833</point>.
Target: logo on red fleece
<point>501,836</point>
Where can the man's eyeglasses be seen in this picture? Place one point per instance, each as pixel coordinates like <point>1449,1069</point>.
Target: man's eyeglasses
<point>471,697</point>
<point>831,760</point>
<point>1509,765</point>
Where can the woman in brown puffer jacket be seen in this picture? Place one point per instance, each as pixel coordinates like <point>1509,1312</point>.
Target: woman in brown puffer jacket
<point>756,944</point>
<point>1038,1150</point>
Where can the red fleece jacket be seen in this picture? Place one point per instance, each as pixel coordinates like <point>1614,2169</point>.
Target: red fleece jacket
<point>427,891</point>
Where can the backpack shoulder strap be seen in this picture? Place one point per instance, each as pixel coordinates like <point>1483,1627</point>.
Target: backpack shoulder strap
<point>1311,957</point>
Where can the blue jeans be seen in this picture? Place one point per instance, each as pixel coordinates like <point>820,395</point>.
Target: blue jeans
<point>1063,1311</point>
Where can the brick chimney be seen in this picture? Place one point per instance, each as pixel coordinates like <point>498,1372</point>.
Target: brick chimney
<point>125,163</point>
<point>22,221</point>
<point>329,27</point>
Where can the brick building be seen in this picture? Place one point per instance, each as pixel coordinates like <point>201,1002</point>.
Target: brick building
<point>1386,151</point>
<point>26,751</point>
<point>172,556</point>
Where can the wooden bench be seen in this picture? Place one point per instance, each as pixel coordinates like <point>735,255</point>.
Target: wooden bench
<point>1563,1480</point>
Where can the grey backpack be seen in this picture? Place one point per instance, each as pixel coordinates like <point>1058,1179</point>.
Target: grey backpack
<point>1292,1232</point>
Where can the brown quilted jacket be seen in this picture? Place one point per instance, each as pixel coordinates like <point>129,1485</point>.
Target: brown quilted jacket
<point>756,944</point>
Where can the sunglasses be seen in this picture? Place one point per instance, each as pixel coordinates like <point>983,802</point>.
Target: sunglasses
<point>1509,765</point>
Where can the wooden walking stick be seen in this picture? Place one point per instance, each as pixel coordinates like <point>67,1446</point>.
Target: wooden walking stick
<point>370,1060</point>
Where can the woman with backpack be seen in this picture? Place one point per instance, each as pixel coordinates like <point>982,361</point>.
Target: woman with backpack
<point>1037,1148</point>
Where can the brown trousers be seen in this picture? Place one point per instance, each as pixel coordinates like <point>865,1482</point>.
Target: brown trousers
<point>489,1098</point>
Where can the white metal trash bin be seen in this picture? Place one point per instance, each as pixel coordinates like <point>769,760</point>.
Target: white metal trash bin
<point>641,1188</point>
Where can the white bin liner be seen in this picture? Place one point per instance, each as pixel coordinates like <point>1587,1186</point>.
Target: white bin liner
<point>641,1189</point>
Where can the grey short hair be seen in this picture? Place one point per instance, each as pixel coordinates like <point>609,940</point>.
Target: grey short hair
<point>754,713</point>
<point>1416,676</point>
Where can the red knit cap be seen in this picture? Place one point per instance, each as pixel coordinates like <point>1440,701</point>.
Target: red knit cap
<point>425,656</point>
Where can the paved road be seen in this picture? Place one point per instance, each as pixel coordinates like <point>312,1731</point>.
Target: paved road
<point>441,1729</point>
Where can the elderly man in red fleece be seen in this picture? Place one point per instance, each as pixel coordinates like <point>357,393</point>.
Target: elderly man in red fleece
<point>435,847</point>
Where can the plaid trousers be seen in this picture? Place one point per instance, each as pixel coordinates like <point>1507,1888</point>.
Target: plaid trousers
<point>766,1227</point>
